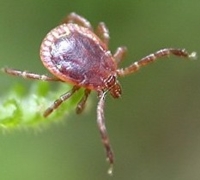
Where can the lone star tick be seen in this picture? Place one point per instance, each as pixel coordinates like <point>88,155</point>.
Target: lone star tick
<point>75,54</point>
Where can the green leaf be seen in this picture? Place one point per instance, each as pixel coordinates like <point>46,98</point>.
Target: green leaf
<point>19,109</point>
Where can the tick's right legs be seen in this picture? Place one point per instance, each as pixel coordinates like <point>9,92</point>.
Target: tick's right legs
<point>120,53</point>
<point>154,56</point>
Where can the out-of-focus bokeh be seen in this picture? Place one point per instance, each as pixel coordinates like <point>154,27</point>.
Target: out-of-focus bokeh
<point>154,128</point>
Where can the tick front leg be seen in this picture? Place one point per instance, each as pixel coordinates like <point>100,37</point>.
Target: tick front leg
<point>81,105</point>
<point>77,19</point>
<point>60,100</point>
<point>103,132</point>
<point>29,75</point>
<point>103,33</point>
<point>152,57</point>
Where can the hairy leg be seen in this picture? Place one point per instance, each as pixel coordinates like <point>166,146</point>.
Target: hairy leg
<point>103,132</point>
<point>152,57</point>
<point>77,19</point>
<point>120,54</point>
<point>28,75</point>
<point>60,100</point>
<point>81,105</point>
<point>103,32</point>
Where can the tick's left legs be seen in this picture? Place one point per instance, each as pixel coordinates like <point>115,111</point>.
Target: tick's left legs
<point>103,132</point>
<point>75,18</point>
<point>60,100</point>
<point>152,57</point>
<point>81,105</point>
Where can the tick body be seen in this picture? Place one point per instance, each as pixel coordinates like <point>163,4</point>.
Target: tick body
<point>74,53</point>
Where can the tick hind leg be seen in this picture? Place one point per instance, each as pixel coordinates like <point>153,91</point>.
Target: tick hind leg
<point>77,19</point>
<point>29,75</point>
<point>81,105</point>
<point>60,100</point>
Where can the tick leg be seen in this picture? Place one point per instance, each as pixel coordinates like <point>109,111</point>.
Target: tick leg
<point>77,19</point>
<point>120,54</point>
<point>81,105</point>
<point>60,100</point>
<point>102,129</point>
<point>29,75</point>
<point>152,57</point>
<point>103,33</point>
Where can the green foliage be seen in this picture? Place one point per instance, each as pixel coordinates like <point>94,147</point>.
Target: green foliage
<point>19,109</point>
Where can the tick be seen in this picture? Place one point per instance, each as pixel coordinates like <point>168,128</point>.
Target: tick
<point>76,54</point>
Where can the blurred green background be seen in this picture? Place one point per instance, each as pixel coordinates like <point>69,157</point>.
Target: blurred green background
<point>154,128</point>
